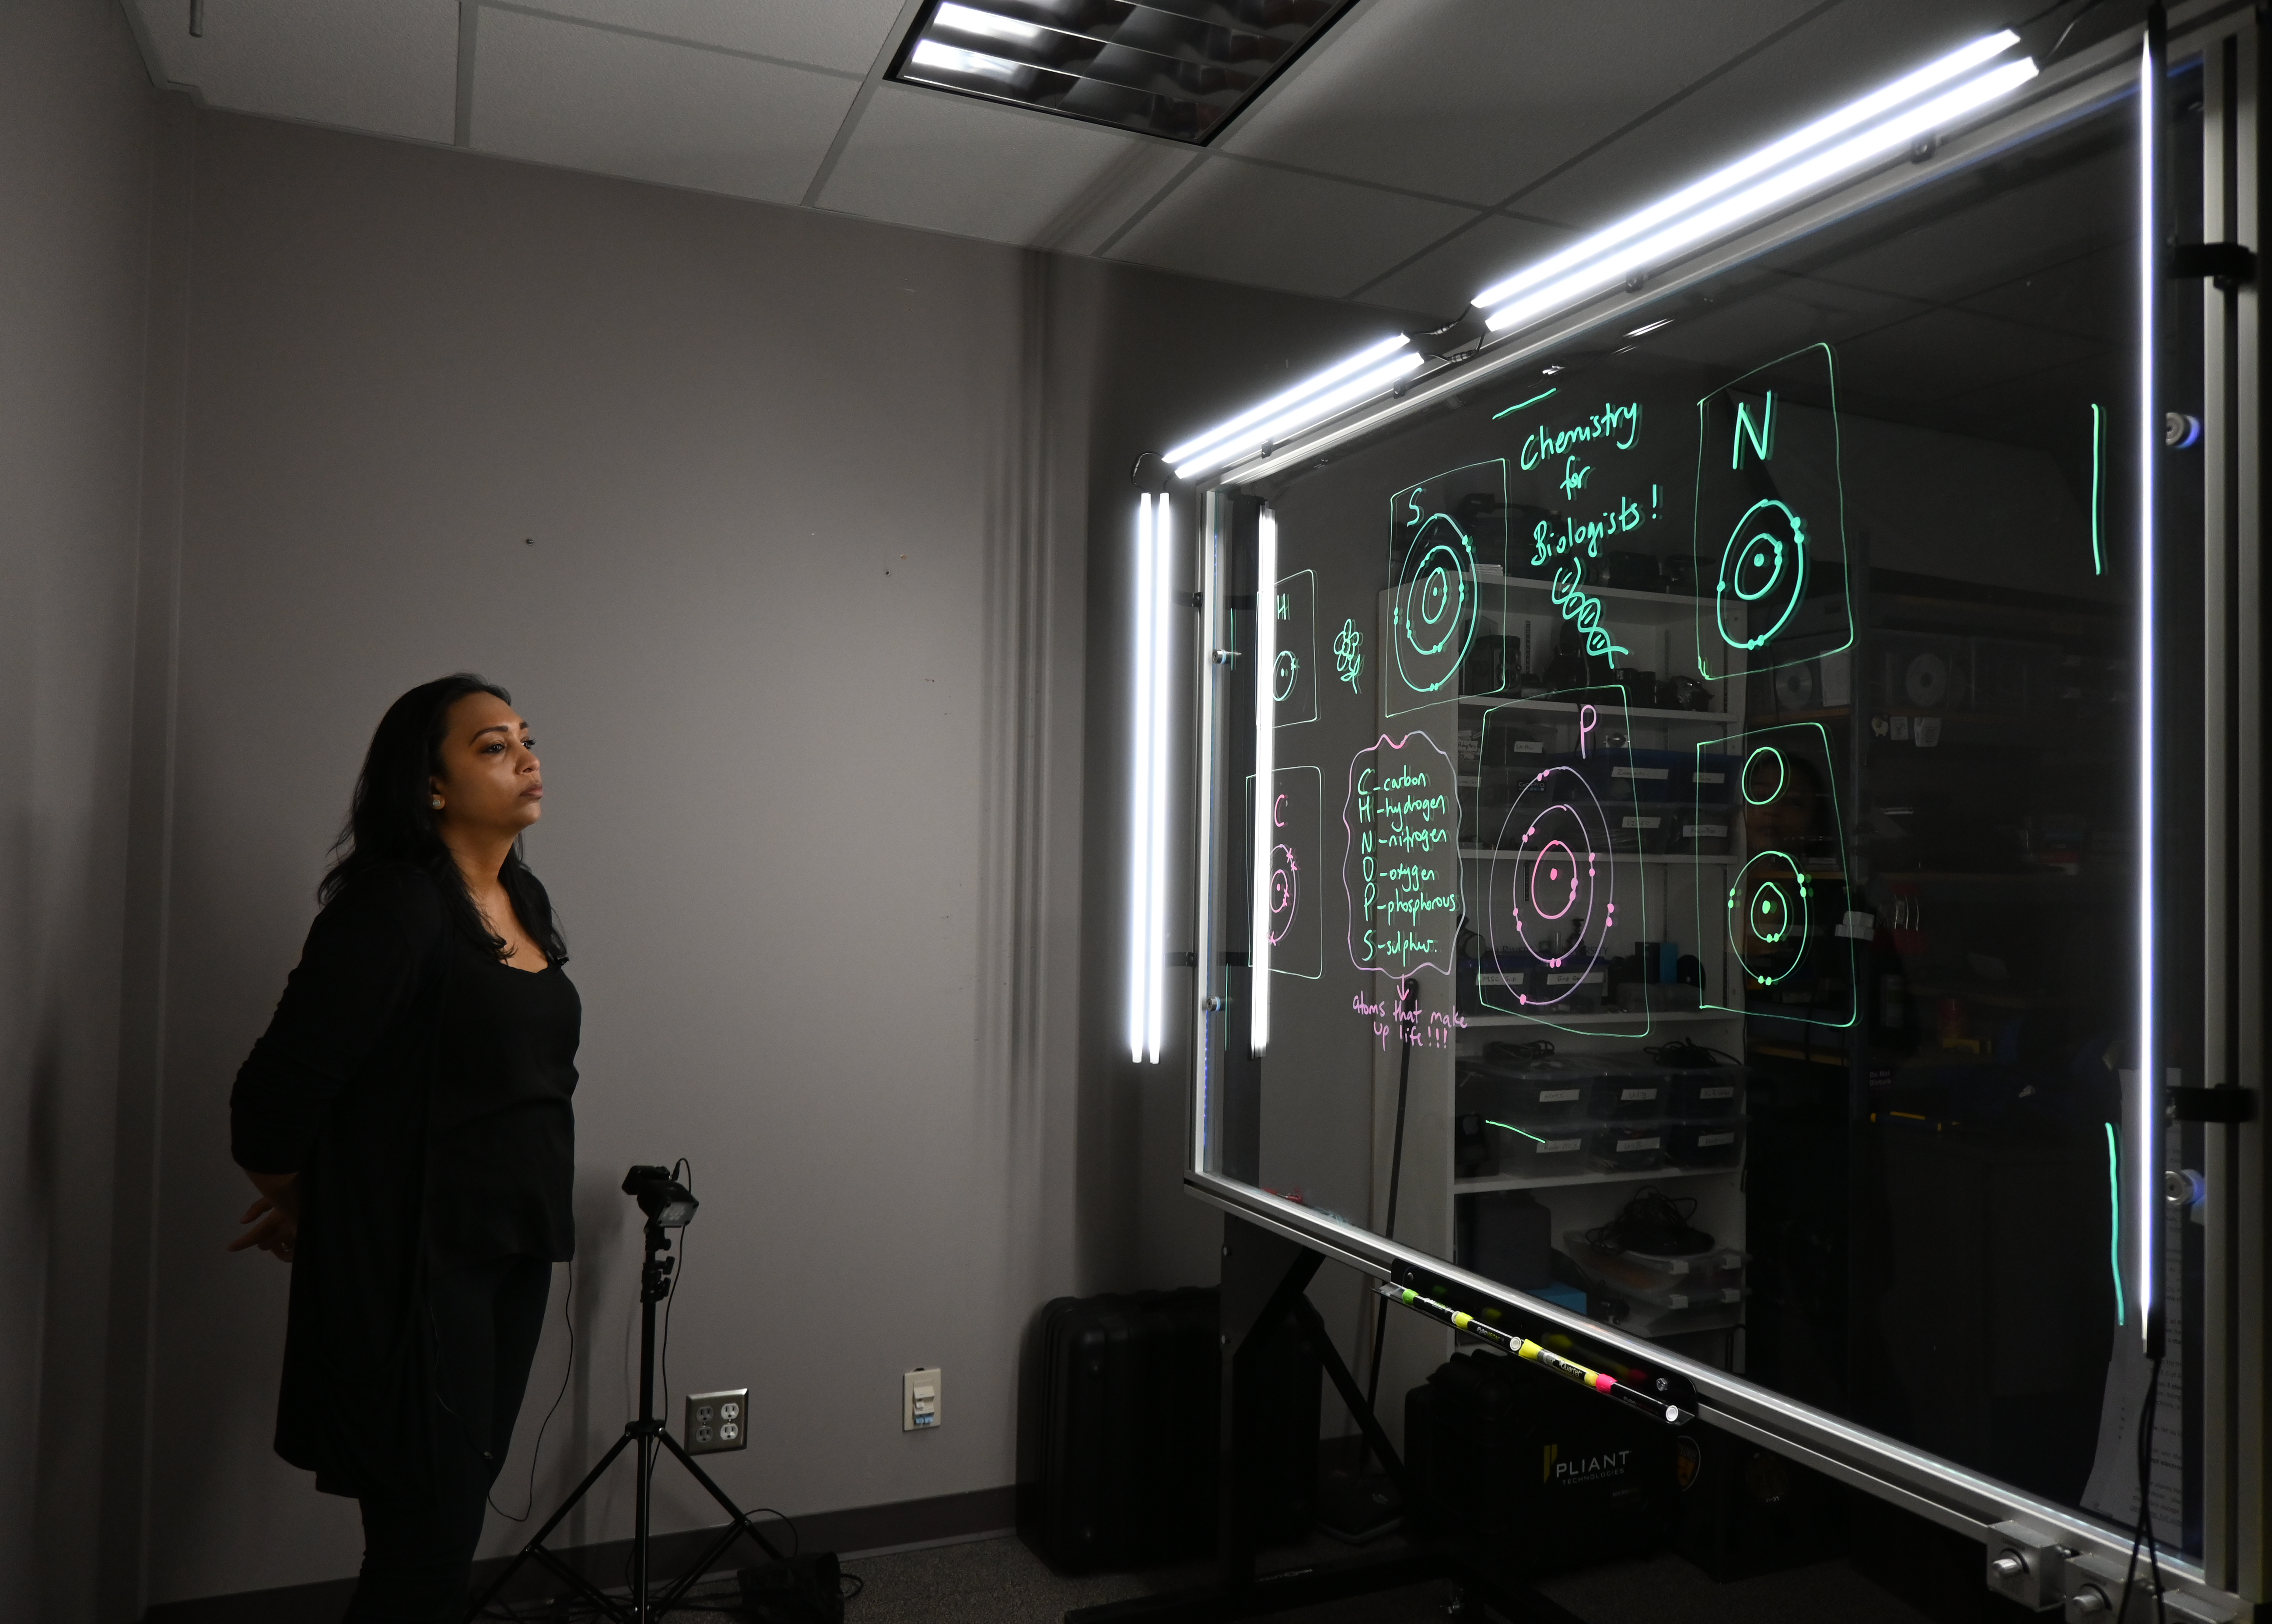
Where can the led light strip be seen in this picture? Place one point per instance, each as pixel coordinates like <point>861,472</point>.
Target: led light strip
<point>1312,400</point>
<point>1147,781</point>
<point>1266,764</point>
<point>2145,1163</point>
<point>1888,136</point>
<point>1142,971</point>
<point>1163,531</point>
<point>1777,174</point>
<point>1851,117</point>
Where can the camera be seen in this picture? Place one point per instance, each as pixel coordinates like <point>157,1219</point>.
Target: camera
<point>667,1203</point>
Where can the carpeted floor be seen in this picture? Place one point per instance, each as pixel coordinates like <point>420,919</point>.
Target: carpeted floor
<point>1001,1582</point>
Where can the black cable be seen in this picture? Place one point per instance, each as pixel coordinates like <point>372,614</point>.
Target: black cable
<point>1388,1232</point>
<point>568,1320</point>
<point>2088,6</point>
<point>2144,1536</point>
<point>670,1300</point>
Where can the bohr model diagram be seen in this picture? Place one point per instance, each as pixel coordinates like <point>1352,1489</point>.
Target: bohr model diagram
<point>1762,569</point>
<point>1766,903</point>
<point>1435,610</point>
<point>1285,892</point>
<point>1553,882</point>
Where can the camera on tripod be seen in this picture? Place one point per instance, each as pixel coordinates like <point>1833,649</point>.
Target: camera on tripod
<point>667,1203</point>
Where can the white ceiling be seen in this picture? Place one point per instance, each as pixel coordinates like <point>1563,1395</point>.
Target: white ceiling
<point>1419,150</point>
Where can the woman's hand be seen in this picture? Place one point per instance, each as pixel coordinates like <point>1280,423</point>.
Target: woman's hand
<point>274,1217</point>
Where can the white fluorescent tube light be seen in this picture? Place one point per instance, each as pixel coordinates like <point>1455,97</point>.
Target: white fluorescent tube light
<point>1156,862</point>
<point>966,19</point>
<point>954,59</point>
<point>2146,1164</point>
<point>1278,403</point>
<point>1265,763</point>
<point>1316,410</point>
<point>1758,200</point>
<point>1140,966</point>
<point>1849,117</point>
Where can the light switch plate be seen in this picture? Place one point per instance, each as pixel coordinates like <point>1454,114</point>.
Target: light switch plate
<point>922,1397</point>
<point>717,1421</point>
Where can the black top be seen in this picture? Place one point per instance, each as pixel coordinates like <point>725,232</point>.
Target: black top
<point>421,1089</point>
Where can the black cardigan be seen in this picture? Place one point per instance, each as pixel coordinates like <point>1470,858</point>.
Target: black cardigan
<point>421,1090</point>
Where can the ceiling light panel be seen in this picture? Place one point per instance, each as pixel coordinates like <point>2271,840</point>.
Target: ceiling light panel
<point>1174,68</point>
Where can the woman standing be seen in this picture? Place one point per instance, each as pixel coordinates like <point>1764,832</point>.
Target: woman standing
<point>406,1120</point>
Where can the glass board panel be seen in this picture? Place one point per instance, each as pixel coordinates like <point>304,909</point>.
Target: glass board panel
<point>1683,860</point>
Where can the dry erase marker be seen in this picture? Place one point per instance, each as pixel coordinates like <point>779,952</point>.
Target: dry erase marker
<point>1523,1348</point>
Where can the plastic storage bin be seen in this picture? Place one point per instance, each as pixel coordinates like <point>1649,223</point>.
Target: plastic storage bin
<point>1619,1090</point>
<point>1549,1090</point>
<point>1552,1150</point>
<point>1703,1090</point>
<point>1706,834</point>
<point>1711,781</point>
<point>1705,1141</point>
<point>1571,990</point>
<point>1634,1146</point>
<point>1648,829</point>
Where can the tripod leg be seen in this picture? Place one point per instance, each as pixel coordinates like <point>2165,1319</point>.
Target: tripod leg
<point>741,1521</point>
<point>534,1547</point>
<point>640,1532</point>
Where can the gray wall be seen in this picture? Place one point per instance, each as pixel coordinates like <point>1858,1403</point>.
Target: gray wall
<point>779,527</point>
<point>75,112</point>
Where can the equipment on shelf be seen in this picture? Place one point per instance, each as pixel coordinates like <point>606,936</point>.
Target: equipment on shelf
<point>1652,1222</point>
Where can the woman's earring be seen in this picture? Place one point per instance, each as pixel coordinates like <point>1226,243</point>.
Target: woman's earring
<point>436,802</point>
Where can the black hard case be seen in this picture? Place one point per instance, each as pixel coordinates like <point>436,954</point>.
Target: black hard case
<point>1125,1412</point>
<point>1534,1470</point>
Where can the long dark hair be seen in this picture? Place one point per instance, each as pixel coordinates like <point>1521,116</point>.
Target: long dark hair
<point>391,818</point>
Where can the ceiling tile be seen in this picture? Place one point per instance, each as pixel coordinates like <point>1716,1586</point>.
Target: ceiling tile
<point>952,163</point>
<point>1447,276</point>
<point>1959,241</point>
<point>2087,294</point>
<point>619,104</point>
<point>1944,352</point>
<point>1769,313</point>
<point>1244,222</point>
<point>847,35</point>
<point>1847,52</point>
<point>386,66</point>
<point>1473,99</point>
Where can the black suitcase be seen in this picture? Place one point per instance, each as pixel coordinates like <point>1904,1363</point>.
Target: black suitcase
<point>1128,1399</point>
<point>1536,1472</point>
<point>1747,1511</point>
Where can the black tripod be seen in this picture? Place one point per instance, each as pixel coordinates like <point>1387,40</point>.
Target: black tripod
<point>649,1433</point>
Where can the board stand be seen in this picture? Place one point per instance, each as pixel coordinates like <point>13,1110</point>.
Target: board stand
<point>649,1438</point>
<point>1265,1280</point>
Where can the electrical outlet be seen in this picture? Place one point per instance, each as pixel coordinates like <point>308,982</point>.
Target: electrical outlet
<point>922,1393</point>
<point>716,1421</point>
